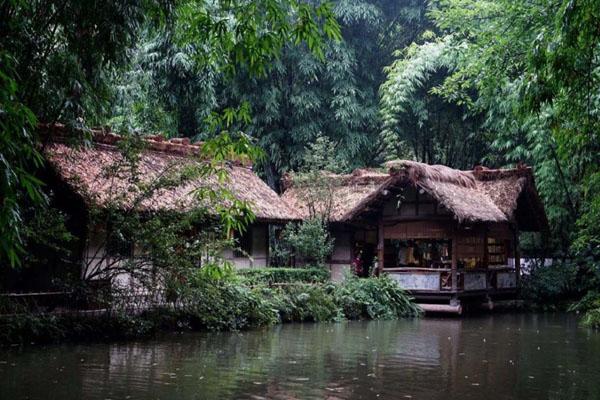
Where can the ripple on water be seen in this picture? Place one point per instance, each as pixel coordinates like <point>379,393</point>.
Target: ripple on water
<point>492,357</point>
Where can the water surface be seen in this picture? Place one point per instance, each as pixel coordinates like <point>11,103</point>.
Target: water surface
<point>523,356</point>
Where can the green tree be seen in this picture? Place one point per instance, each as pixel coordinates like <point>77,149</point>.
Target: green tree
<point>418,121</point>
<point>57,57</point>
<point>530,71</point>
<point>303,97</point>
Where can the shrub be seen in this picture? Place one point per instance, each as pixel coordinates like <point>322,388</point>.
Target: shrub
<point>39,328</point>
<point>592,318</point>
<point>374,298</point>
<point>207,304</point>
<point>589,305</point>
<point>553,286</point>
<point>221,305</point>
<point>256,276</point>
<point>308,241</point>
<point>589,302</point>
<point>303,302</point>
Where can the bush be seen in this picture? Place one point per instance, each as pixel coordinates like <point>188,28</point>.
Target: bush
<point>41,328</point>
<point>554,286</point>
<point>589,305</point>
<point>592,318</point>
<point>589,302</point>
<point>303,302</point>
<point>256,276</point>
<point>222,305</point>
<point>207,304</point>
<point>374,298</point>
<point>308,241</point>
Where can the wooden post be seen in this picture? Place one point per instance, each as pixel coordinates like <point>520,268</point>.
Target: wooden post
<point>380,248</point>
<point>486,259</point>
<point>454,261</point>
<point>486,256</point>
<point>517,255</point>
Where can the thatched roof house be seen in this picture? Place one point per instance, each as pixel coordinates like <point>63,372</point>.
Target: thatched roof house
<point>443,233</point>
<point>480,195</point>
<point>99,175</point>
<point>90,172</point>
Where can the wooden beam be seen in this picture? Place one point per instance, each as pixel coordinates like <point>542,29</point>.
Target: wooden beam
<point>400,218</point>
<point>441,308</point>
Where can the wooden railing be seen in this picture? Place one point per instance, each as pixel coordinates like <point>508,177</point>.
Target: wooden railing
<point>440,280</point>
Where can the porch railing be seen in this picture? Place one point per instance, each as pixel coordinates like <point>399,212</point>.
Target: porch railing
<point>440,280</point>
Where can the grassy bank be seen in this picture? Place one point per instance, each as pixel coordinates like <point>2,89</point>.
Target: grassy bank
<point>249,300</point>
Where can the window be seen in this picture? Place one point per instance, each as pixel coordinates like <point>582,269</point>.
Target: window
<point>470,252</point>
<point>496,252</point>
<point>418,253</point>
<point>244,243</point>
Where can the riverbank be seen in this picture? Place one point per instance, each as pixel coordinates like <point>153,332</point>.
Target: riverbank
<point>260,298</point>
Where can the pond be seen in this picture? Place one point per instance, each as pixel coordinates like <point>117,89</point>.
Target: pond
<point>519,356</point>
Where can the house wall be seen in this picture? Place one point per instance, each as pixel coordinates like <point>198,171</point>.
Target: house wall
<point>96,259</point>
<point>341,257</point>
<point>260,249</point>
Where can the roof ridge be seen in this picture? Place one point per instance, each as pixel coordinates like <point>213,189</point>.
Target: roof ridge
<point>180,146</point>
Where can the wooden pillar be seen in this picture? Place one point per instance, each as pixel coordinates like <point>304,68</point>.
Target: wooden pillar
<point>454,261</point>
<point>517,255</point>
<point>486,259</point>
<point>380,248</point>
<point>486,256</point>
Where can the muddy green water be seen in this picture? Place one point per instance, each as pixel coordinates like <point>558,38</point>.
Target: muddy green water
<point>524,356</point>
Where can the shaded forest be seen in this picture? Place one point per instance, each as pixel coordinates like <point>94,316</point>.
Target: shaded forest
<point>454,82</point>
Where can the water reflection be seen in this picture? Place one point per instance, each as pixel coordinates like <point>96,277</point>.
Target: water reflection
<point>492,357</point>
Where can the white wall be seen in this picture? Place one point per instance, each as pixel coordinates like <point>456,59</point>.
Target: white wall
<point>96,259</point>
<point>341,257</point>
<point>260,249</point>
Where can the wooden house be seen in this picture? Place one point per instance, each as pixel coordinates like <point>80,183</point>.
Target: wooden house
<point>81,177</point>
<point>443,234</point>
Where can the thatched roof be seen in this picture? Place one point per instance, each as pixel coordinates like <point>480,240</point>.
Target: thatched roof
<point>90,172</point>
<point>481,195</point>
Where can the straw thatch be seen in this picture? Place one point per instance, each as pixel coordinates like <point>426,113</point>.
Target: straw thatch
<point>481,195</point>
<point>101,177</point>
<point>348,191</point>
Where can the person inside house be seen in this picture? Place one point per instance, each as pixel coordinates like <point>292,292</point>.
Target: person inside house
<point>357,264</point>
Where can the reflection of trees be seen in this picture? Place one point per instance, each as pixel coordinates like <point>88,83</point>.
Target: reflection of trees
<point>478,357</point>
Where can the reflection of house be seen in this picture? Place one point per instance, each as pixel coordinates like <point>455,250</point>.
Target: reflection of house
<point>83,173</point>
<point>442,233</point>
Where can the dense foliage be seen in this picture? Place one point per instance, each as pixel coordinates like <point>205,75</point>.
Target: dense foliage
<point>316,85</point>
<point>227,304</point>
<point>307,243</point>
<point>589,305</point>
<point>58,58</point>
<point>374,298</point>
<point>268,276</point>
